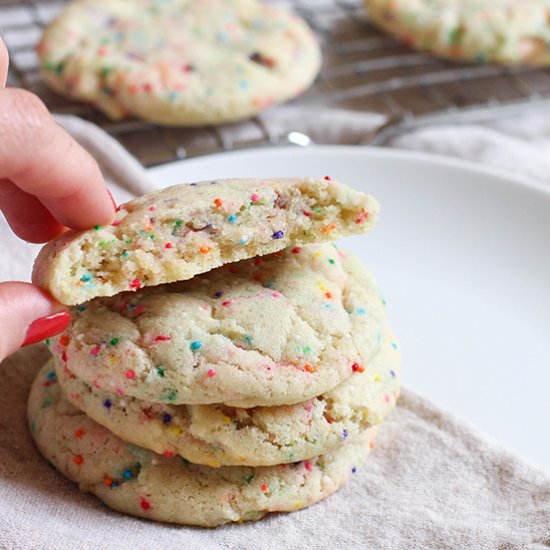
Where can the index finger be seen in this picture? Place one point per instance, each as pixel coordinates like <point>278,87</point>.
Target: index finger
<point>44,161</point>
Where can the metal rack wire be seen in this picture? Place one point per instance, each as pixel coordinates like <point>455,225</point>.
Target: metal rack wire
<point>363,70</point>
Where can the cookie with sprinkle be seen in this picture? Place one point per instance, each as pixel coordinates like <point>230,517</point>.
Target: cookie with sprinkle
<point>176,62</point>
<point>178,232</point>
<point>169,488</point>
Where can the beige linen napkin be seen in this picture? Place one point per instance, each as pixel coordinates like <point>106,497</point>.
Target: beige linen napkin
<point>431,482</point>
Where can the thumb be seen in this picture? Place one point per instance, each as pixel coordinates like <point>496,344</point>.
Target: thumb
<point>28,314</point>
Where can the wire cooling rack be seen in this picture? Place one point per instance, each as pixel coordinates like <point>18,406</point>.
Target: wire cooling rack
<point>363,70</point>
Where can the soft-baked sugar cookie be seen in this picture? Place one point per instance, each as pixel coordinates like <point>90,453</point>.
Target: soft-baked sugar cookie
<point>217,435</point>
<point>500,31</point>
<point>175,233</point>
<point>141,483</point>
<point>179,62</point>
<point>274,330</point>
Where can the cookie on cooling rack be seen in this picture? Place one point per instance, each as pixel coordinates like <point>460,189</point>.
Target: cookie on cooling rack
<point>493,31</point>
<point>141,483</point>
<point>177,62</point>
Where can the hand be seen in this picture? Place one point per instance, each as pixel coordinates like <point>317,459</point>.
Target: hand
<point>47,183</point>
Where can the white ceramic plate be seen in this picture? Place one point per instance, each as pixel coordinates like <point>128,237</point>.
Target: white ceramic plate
<point>462,254</point>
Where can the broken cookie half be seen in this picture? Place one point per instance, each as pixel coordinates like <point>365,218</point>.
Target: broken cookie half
<point>176,233</point>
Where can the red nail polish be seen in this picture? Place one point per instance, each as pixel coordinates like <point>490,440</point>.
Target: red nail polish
<point>112,200</point>
<point>47,326</point>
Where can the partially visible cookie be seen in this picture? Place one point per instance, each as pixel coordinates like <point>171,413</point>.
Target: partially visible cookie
<point>494,31</point>
<point>181,231</point>
<point>217,435</point>
<point>179,62</point>
<point>141,483</point>
<point>274,330</point>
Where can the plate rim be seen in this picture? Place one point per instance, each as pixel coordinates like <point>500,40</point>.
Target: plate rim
<point>382,152</point>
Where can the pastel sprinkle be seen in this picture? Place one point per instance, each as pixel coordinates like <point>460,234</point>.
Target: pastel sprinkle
<point>254,197</point>
<point>392,373</point>
<point>353,470</point>
<point>86,278</point>
<point>276,294</point>
<point>345,434</point>
<point>196,345</point>
<point>130,374</point>
<point>361,310</point>
<point>394,345</point>
<point>232,218</point>
<point>362,217</point>
<point>278,235</point>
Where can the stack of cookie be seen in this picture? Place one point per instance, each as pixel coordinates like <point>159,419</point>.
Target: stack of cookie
<point>224,359</point>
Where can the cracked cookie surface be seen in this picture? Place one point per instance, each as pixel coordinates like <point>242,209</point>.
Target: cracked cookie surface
<point>138,482</point>
<point>179,62</point>
<point>217,435</point>
<point>178,232</point>
<point>274,330</point>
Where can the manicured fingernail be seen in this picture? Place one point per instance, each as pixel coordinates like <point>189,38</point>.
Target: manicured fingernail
<point>47,326</point>
<point>112,199</point>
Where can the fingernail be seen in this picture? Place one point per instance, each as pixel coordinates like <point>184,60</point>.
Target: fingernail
<point>112,199</point>
<point>47,326</point>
